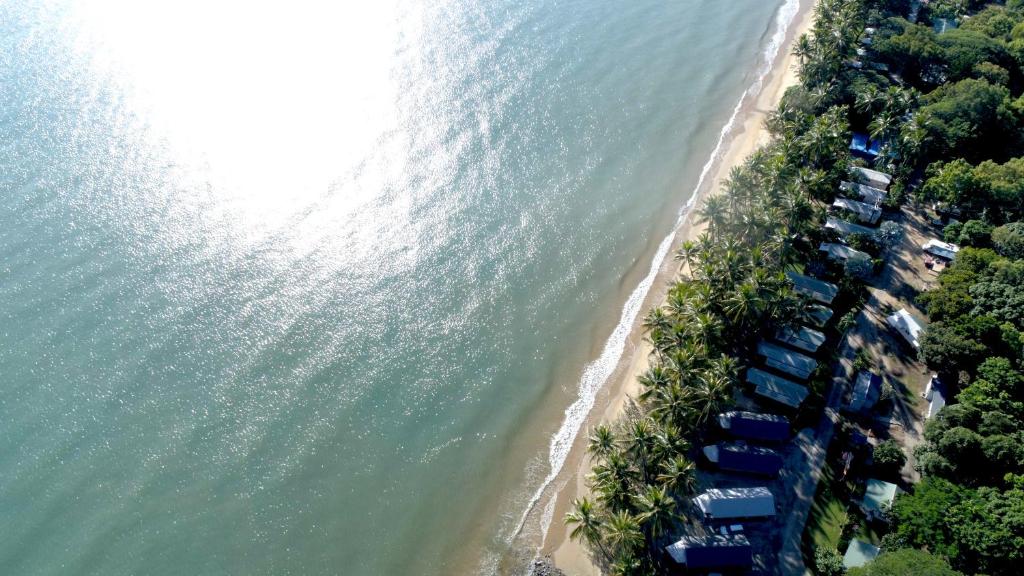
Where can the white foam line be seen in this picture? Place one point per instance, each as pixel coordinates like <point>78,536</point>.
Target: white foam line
<point>597,372</point>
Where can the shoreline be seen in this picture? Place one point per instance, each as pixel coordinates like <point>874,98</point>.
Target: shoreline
<point>747,135</point>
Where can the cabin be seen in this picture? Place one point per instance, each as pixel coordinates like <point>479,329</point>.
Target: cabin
<point>729,503</point>
<point>714,552</point>
<point>935,394</point>
<point>788,361</point>
<point>906,325</point>
<point>802,338</point>
<point>868,213</point>
<point>872,178</point>
<point>867,194</point>
<point>819,315</point>
<point>878,498</point>
<point>755,426</point>
<point>776,388</point>
<point>866,390</point>
<point>813,288</point>
<point>940,249</point>
<point>844,228</point>
<point>859,553</point>
<point>841,252</point>
<point>739,457</point>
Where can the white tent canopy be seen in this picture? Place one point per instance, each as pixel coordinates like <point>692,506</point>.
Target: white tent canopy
<point>906,325</point>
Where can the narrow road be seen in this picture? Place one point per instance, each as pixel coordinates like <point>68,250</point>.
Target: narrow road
<point>813,445</point>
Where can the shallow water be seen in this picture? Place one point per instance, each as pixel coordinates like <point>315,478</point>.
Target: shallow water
<point>291,289</point>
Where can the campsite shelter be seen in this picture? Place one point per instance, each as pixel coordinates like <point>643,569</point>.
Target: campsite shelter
<point>906,325</point>
<point>801,337</point>
<point>776,388</point>
<point>813,288</point>
<point>872,178</point>
<point>786,360</point>
<point>732,551</point>
<point>755,426</point>
<point>728,503</point>
<point>741,457</point>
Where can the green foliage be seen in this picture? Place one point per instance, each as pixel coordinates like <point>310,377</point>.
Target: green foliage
<point>889,458</point>
<point>1008,239</point>
<point>905,562</point>
<point>972,119</point>
<point>828,562</point>
<point>974,233</point>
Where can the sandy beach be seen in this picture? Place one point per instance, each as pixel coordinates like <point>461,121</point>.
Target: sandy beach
<point>748,134</point>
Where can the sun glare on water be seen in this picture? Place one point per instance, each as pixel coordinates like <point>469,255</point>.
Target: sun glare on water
<point>275,103</point>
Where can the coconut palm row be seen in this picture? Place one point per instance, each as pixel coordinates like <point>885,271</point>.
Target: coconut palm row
<point>731,291</point>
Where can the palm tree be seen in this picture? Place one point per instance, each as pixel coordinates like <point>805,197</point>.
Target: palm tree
<point>714,213</point>
<point>803,48</point>
<point>656,319</point>
<point>622,532</point>
<point>679,475</point>
<point>657,511</point>
<point>710,395</point>
<point>612,479</point>
<point>685,253</point>
<point>641,443</point>
<point>671,405</point>
<point>602,441</point>
<point>586,524</point>
<point>743,305</point>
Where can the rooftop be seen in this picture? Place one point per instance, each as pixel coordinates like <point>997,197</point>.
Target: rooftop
<point>804,338</point>
<point>859,553</point>
<point>873,178</point>
<point>722,503</point>
<point>867,193</point>
<point>755,425</point>
<point>865,212</point>
<point>713,551</point>
<point>841,252</point>
<point>820,315</point>
<point>785,360</point>
<point>879,495</point>
<point>844,228</point>
<point>821,291</point>
<point>941,249</point>
<point>866,390</point>
<point>777,388</point>
<point>906,325</point>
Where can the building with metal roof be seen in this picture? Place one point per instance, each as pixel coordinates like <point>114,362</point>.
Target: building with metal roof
<point>776,388</point>
<point>935,394</point>
<point>844,228</point>
<point>819,315</point>
<point>866,390</point>
<point>801,337</point>
<point>727,503</point>
<point>755,426</point>
<point>872,178</point>
<point>940,249</point>
<point>866,193</point>
<point>743,458</point>
<point>731,551</point>
<point>841,252</point>
<point>859,553</point>
<point>878,497</point>
<point>906,325</point>
<point>813,288</point>
<point>865,212</point>
<point>786,360</point>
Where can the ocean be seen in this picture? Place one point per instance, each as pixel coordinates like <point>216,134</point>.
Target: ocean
<point>309,288</point>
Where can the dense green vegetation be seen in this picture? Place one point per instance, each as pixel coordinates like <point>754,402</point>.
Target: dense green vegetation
<point>947,105</point>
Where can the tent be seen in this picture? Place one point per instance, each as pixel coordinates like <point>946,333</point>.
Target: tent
<point>724,503</point>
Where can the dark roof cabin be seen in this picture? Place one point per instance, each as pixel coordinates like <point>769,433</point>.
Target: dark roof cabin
<point>813,288</point>
<point>739,457</point>
<point>731,551</point>
<point>754,426</point>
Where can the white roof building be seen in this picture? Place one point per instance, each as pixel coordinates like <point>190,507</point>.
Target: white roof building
<point>723,503</point>
<point>872,178</point>
<point>868,194</point>
<point>941,249</point>
<point>844,228</point>
<point>906,325</point>
<point>785,360</point>
<point>865,212</point>
<point>802,337</point>
<point>841,252</point>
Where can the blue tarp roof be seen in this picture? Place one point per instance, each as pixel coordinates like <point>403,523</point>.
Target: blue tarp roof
<point>755,426</point>
<point>859,142</point>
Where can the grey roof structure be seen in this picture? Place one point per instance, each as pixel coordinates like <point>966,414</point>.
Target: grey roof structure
<point>866,193</point>
<point>844,228</point>
<point>777,388</point>
<point>785,360</point>
<point>865,212</point>
<point>818,314</point>
<point>714,551</point>
<point>878,496</point>
<point>859,553</point>
<point>721,503</point>
<point>821,291</point>
<point>740,457</point>
<point>754,425</point>
<point>802,337</point>
<point>866,390</point>
<point>906,325</point>
<point>841,252</point>
<point>872,178</point>
<point>935,394</point>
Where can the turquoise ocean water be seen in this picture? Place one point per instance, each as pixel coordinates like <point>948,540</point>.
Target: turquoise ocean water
<point>288,288</point>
